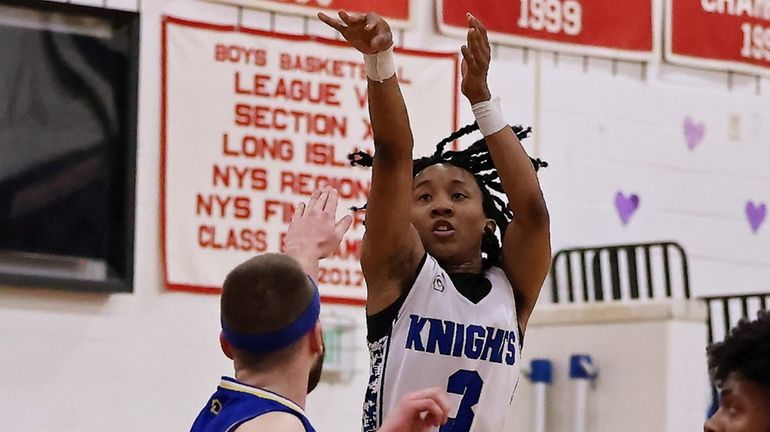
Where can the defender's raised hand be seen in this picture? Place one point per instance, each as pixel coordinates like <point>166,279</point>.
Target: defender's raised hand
<point>313,233</point>
<point>475,66</point>
<point>368,33</point>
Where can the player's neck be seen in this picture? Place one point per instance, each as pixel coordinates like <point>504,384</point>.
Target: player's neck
<point>472,266</point>
<point>284,381</point>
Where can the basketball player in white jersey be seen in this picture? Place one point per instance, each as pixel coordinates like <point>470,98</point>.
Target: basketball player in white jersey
<point>447,305</point>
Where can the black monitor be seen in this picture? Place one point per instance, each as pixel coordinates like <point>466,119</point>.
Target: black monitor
<point>68,108</point>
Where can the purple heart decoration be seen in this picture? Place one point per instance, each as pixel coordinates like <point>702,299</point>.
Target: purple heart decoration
<point>755,214</point>
<point>693,132</point>
<point>626,206</point>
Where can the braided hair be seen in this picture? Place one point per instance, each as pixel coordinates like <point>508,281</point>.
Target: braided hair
<point>477,160</point>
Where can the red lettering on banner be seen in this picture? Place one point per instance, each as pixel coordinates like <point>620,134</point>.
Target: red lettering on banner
<point>756,9</point>
<point>322,66</point>
<point>239,54</point>
<point>239,177</point>
<point>245,239</point>
<point>222,206</point>
<point>306,183</point>
<point>729,35</point>
<point>553,16</point>
<point>578,26</point>
<point>263,117</point>
<point>252,147</point>
<point>756,42</point>
<point>257,87</point>
<point>362,96</point>
<point>283,209</point>
<point>322,154</point>
<point>368,132</point>
<point>340,277</point>
<point>293,90</point>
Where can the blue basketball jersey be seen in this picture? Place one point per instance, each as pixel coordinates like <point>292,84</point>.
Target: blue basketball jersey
<point>235,403</point>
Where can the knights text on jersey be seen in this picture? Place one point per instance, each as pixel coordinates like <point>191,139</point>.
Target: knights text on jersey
<point>235,403</point>
<point>442,339</point>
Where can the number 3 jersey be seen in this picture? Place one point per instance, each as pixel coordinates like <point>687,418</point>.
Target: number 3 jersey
<point>435,336</point>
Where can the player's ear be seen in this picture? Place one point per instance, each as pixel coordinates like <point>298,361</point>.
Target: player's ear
<point>490,225</point>
<point>227,349</point>
<point>317,338</point>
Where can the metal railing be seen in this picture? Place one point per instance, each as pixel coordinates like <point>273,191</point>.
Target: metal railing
<point>648,270</point>
<point>644,271</point>
<point>724,312</point>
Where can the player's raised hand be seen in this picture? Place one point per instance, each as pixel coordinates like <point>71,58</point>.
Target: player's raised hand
<point>475,65</point>
<point>418,411</point>
<point>368,33</point>
<point>313,232</point>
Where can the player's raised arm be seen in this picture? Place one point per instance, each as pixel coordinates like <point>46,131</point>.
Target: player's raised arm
<point>391,248</point>
<point>526,248</point>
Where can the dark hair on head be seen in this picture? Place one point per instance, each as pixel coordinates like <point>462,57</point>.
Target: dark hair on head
<point>263,294</point>
<point>745,351</point>
<point>477,160</point>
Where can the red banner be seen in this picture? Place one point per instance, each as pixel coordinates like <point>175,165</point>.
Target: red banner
<point>397,12</point>
<point>625,29</point>
<point>719,34</point>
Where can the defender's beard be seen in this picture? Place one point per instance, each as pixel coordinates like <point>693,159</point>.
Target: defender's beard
<point>315,372</point>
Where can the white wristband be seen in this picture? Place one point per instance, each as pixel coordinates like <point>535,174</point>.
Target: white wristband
<point>380,66</point>
<point>489,116</point>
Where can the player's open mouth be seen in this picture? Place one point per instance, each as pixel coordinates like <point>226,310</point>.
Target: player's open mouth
<point>443,229</point>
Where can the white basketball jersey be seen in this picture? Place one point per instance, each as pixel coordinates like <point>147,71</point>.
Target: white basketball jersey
<point>441,339</point>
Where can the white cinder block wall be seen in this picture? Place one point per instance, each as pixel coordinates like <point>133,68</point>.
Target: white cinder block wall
<point>648,359</point>
<point>148,360</point>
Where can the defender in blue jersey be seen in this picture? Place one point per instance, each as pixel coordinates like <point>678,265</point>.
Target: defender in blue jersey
<point>271,330</point>
<point>234,404</point>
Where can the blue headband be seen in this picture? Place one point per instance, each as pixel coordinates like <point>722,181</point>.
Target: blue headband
<point>281,338</point>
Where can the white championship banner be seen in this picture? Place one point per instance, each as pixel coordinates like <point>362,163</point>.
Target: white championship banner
<point>252,123</point>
